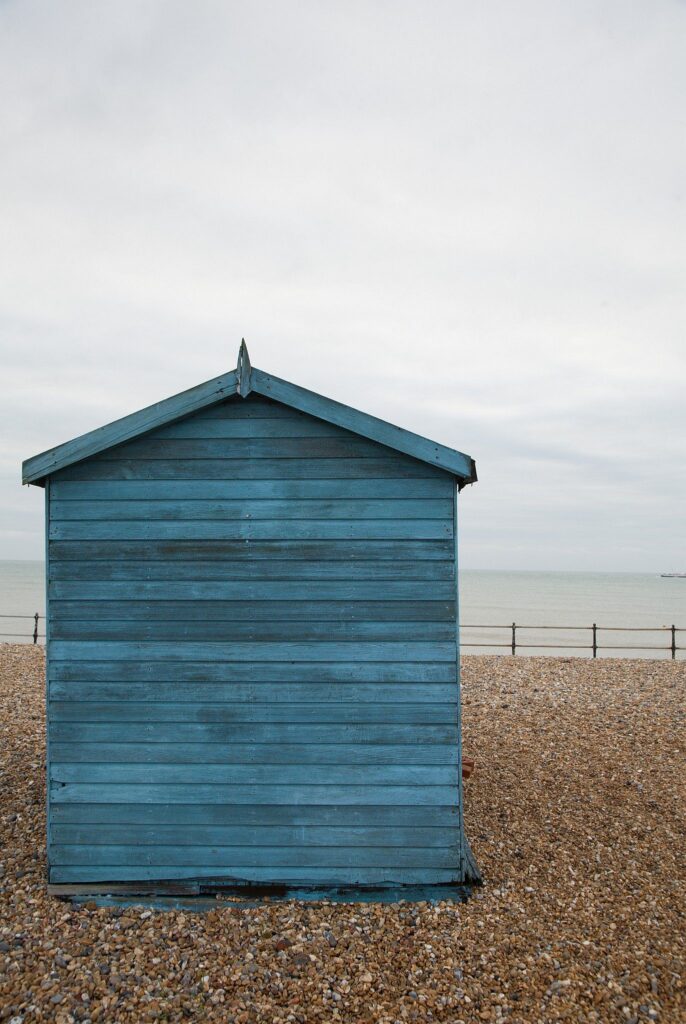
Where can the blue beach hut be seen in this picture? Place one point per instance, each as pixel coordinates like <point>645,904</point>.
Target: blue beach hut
<point>253,649</point>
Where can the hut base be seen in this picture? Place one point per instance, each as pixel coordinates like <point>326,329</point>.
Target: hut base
<point>206,894</point>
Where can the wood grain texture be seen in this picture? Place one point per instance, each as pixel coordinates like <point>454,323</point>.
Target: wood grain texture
<point>253,753</point>
<point>75,650</point>
<point>265,692</point>
<point>349,551</point>
<point>305,529</point>
<point>302,714</point>
<point>368,487</point>
<point>288,425</point>
<point>433,795</point>
<point>254,856</point>
<point>230,672</point>
<point>341,468</point>
<point>256,611</point>
<point>110,834</point>
<point>255,632</point>
<point>105,571</point>
<point>247,449</point>
<point>86,773</point>
<point>200,509</point>
<point>253,732</point>
<point>168,591</point>
<point>323,878</point>
<point>291,815</point>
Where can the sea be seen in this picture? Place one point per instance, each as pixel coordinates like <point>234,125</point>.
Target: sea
<point>553,612</point>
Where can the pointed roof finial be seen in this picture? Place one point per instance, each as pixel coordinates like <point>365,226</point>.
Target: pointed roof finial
<point>243,370</point>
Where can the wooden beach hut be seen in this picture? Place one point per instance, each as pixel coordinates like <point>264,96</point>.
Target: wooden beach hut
<point>253,651</point>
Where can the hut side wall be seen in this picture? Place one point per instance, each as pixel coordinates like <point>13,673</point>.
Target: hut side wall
<point>252,664</point>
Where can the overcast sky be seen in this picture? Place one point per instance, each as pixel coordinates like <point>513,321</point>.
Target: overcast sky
<point>468,219</point>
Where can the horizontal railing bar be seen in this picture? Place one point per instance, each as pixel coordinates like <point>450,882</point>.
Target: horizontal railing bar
<point>21,617</point>
<point>625,629</point>
<point>556,646</point>
<point>630,629</point>
<point>636,647</point>
<point>580,647</point>
<point>509,626</point>
<point>462,644</point>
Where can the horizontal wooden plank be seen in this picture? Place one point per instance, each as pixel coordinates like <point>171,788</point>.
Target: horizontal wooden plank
<point>242,874</point>
<point>251,672</point>
<point>206,428</point>
<point>254,753</point>
<point>191,711</point>
<point>206,775</point>
<point>252,611</point>
<point>201,509</point>
<point>272,692</point>
<point>261,631</point>
<point>251,408</point>
<point>255,856</point>
<point>377,591</point>
<point>249,469</point>
<point>261,569</point>
<point>253,732</point>
<point>441,487</point>
<point>74,792</point>
<point>255,835</point>
<point>341,446</point>
<point>74,650</point>
<point>251,551</point>
<point>293,816</point>
<point>273,529</point>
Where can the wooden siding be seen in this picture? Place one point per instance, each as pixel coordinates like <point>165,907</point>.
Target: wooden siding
<point>252,668</point>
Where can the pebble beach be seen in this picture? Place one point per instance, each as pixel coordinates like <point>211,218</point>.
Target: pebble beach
<point>576,813</point>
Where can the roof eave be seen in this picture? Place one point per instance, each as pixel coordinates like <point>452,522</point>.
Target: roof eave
<point>414,445</point>
<point>37,468</point>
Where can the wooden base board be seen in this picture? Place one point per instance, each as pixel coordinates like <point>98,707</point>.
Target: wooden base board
<point>204,896</point>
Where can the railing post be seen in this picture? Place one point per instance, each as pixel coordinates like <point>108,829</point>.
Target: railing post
<point>673,642</point>
<point>35,628</point>
<point>514,640</point>
<point>595,640</point>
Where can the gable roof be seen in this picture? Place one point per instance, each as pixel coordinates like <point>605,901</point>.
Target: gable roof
<point>241,382</point>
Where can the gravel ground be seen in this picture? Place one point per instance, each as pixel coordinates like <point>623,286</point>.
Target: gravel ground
<point>576,816</point>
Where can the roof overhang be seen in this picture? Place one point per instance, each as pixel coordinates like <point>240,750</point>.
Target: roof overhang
<point>241,382</point>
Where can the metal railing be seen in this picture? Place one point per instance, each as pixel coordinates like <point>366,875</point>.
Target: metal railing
<point>35,636</point>
<point>512,644</point>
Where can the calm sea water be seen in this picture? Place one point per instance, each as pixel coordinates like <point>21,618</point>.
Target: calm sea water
<point>488,600</point>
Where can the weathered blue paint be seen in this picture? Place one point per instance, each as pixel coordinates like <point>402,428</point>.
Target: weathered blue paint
<point>253,650</point>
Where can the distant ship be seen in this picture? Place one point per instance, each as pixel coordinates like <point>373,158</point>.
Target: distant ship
<point>673,575</point>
